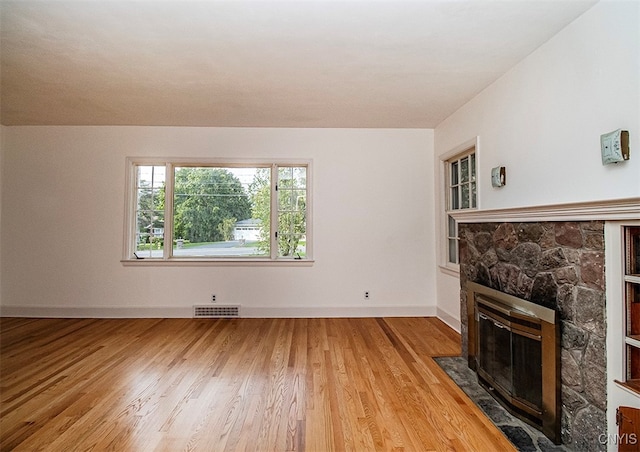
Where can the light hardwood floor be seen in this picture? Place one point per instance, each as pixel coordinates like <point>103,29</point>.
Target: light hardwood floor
<point>241,384</point>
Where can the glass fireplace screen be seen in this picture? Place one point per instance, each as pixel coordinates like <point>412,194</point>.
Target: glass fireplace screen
<point>513,345</point>
<point>511,361</point>
<point>510,356</point>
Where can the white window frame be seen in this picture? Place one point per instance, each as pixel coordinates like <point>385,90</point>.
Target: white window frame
<point>129,248</point>
<point>459,152</point>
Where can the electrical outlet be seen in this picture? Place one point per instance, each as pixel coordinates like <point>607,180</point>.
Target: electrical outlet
<point>213,298</point>
<point>366,295</point>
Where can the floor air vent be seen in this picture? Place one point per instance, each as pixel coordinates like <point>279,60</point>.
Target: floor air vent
<point>214,312</point>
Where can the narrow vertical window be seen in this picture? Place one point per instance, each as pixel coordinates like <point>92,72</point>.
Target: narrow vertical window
<point>452,239</point>
<point>292,211</point>
<point>150,215</point>
<point>462,194</point>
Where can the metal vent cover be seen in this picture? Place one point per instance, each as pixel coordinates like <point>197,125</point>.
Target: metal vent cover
<point>217,311</point>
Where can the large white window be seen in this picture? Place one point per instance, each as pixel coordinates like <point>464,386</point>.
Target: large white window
<point>461,193</point>
<point>210,211</point>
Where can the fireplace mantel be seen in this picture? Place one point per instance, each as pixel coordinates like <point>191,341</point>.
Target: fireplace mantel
<point>607,210</point>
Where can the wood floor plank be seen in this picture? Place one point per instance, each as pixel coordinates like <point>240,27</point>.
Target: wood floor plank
<point>234,385</point>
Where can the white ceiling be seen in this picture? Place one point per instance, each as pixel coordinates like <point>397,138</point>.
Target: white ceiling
<point>261,63</point>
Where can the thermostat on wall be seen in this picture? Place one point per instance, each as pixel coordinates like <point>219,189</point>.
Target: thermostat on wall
<point>615,146</point>
<point>498,176</point>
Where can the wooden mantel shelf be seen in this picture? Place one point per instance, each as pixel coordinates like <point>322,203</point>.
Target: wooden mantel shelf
<point>609,210</point>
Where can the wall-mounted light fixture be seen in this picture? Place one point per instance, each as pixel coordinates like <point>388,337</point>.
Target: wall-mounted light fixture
<point>498,176</point>
<point>614,146</point>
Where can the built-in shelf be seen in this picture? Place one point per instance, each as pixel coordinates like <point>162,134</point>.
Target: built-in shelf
<point>631,306</point>
<point>634,340</point>
<point>632,279</point>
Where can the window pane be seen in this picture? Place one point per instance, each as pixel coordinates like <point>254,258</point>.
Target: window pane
<point>300,177</point>
<point>455,198</point>
<point>464,170</point>
<point>474,195</point>
<point>149,235</point>
<point>291,233</point>
<point>286,201</point>
<point>293,246</point>
<point>157,199</point>
<point>464,204</point>
<point>452,227</point>
<point>454,173</point>
<point>472,157</point>
<point>292,182</point>
<point>151,176</point>
<point>291,223</point>
<point>453,251</point>
<point>291,200</point>
<point>285,174</point>
<point>221,212</point>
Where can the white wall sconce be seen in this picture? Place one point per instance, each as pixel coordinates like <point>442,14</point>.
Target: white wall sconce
<point>614,146</point>
<point>498,176</point>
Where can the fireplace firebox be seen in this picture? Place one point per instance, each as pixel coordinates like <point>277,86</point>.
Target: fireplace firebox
<point>514,349</point>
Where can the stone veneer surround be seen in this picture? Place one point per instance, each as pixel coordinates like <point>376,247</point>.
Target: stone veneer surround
<point>559,265</point>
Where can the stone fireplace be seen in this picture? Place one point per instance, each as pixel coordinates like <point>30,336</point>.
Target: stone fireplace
<point>514,349</point>
<point>560,266</point>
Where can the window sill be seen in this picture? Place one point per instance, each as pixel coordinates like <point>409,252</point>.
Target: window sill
<point>450,270</point>
<point>217,262</point>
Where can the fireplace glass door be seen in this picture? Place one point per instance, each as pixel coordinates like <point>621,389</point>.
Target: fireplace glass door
<point>510,358</point>
<point>495,352</point>
<point>527,369</point>
<point>514,350</point>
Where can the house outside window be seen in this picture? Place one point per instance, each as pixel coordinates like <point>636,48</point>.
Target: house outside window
<point>247,230</point>
<point>461,193</point>
<point>211,211</point>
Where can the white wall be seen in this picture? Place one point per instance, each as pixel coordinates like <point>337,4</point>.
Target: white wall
<point>63,224</point>
<point>543,119</point>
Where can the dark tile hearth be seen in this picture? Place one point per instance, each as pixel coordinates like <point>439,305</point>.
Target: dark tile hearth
<point>524,437</point>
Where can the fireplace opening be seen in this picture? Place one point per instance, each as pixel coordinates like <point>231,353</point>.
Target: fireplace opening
<point>514,349</point>
<point>510,358</point>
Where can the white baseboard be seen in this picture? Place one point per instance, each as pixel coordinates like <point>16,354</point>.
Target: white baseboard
<point>96,312</point>
<point>187,312</point>
<point>317,312</point>
<point>449,319</point>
